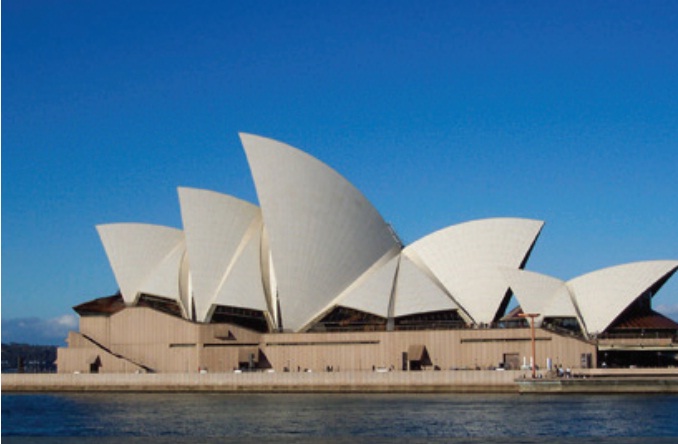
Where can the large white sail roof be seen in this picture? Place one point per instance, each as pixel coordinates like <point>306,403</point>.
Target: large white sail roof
<point>323,233</point>
<point>467,259</point>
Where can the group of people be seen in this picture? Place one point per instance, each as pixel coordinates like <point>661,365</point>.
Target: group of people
<point>567,373</point>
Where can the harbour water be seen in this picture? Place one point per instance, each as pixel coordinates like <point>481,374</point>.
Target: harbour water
<point>336,417</point>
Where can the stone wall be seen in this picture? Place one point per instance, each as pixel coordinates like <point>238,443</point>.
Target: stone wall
<point>340,382</point>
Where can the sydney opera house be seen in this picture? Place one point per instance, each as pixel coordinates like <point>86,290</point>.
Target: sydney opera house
<point>314,279</point>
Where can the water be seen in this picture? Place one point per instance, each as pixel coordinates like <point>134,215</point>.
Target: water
<point>349,418</point>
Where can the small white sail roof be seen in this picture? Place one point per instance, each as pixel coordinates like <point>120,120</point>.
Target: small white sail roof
<point>145,259</point>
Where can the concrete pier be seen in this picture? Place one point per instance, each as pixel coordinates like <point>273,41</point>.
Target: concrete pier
<point>599,385</point>
<point>600,380</point>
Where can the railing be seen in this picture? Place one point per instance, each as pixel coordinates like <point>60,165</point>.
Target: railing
<point>562,331</point>
<point>643,335</point>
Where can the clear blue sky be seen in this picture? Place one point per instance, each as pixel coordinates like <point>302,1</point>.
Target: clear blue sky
<point>440,112</point>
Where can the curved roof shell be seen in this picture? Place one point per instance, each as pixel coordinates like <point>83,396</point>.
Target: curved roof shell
<point>373,291</point>
<point>596,299</point>
<point>323,233</point>
<point>603,295</point>
<point>215,225</point>
<point>467,259</point>
<point>539,293</point>
<point>317,243</point>
<point>417,292</point>
<point>242,285</point>
<point>145,259</point>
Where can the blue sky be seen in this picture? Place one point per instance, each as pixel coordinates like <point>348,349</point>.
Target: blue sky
<point>440,112</point>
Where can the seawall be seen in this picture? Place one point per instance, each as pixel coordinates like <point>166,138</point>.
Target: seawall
<point>471,381</point>
<point>480,381</point>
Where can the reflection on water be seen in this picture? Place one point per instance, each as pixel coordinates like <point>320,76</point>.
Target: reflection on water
<point>287,418</point>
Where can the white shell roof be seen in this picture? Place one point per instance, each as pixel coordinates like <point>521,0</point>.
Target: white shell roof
<point>539,293</point>
<point>144,258</point>
<point>323,233</point>
<point>317,243</point>
<point>373,291</point>
<point>561,304</point>
<point>467,258</point>
<point>242,285</point>
<point>600,296</point>
<point>604,294</point>
<point>417,292</point>
<point>215,225</point>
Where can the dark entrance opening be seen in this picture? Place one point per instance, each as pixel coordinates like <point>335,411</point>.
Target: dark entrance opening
<point>252,359</point>
<point>418,357</point>
<point>94,364</point>
<point>511,361</point>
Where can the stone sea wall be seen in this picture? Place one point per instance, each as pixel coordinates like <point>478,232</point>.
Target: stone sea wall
<point>340,382</point>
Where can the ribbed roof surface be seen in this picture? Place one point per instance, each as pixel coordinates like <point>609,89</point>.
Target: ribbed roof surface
<point>649,320</point>
<point>467,259</point>
<point>600,296</point>
<point>603,294</point>
<point>323,233</point>
<point>242,285</point>
<point>215,225</point>
<point>416,292</point>
<point>539,293</point>
<point>145,258</point>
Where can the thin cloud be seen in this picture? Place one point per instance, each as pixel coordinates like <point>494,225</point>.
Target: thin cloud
<point>38,331</point>
<point>670,310</point>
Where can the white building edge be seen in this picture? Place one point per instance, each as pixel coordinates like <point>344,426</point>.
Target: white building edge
<point>317,245</point>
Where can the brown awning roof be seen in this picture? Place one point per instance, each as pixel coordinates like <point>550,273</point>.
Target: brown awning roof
<point>105,306</point>
<point>416,352</point>
<point>650,320</point>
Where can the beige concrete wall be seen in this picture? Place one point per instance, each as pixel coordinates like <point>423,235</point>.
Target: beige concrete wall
<point>76,340</point>
<point>161,342</point>
<point>168,344</point>
<point>72,360</point>
<point>144,325</point>
<point>96,327</point>
<point>221,359</point>
<point>210,333</point>
<point>447,348</point>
